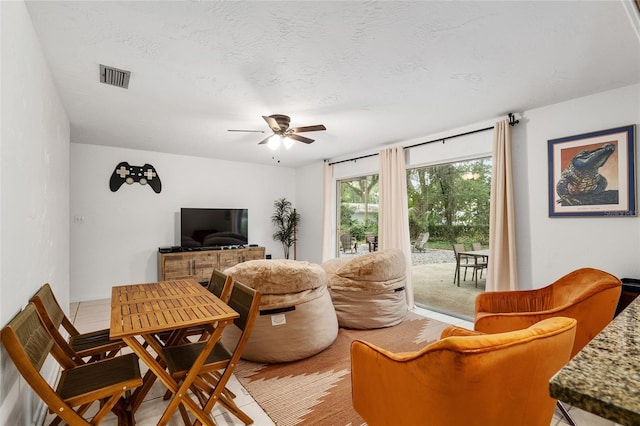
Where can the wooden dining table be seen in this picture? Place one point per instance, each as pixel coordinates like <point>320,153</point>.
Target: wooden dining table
<point>144,310</point>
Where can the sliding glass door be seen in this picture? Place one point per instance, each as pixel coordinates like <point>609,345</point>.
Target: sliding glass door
<point>448,204</point>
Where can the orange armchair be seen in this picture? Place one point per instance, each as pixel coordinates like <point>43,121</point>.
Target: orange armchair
<point>588,295</point>
<point>466,378</point>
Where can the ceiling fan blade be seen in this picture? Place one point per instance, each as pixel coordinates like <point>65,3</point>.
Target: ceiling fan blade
<point>315,128</point>
<point>273,124</point>
<point>265,140</point>
<point>300,138</point>
<point>249,131</point>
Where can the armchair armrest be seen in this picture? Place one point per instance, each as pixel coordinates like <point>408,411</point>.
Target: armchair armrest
<point>459,331</point>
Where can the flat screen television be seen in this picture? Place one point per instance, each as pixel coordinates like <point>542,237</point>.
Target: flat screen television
<point>213,227</point>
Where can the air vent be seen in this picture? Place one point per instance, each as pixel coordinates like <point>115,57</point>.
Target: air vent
<point>114,76</point>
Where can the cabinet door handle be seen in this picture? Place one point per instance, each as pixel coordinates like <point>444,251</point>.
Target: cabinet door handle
<point>194,267</point>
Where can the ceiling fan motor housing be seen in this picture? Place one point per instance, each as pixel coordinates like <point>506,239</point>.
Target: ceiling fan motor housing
<point>282,120</point>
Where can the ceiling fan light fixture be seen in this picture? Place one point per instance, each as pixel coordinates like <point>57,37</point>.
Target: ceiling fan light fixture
<point>287,142</point>
<point>274,142</point>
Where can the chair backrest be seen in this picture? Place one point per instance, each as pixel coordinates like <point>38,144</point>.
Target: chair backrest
<point>46,303</point>
<point>424,239</point>
<point>246,302</point>
<point>52,317</point>
<point>476,246</point>
<point>499,380</point>
<point>220,285</point>
<point>457,248</point>
<point>345,239</point>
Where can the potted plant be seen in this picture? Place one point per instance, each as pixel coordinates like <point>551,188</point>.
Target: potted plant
<point>285,219</point>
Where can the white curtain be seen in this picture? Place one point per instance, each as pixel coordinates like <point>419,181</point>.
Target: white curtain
<point>502,270</point>
<point>328,234</point>
<point>393,211</point>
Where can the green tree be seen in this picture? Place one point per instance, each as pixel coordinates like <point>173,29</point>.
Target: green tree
<point>362,190</point>
<point>450,200</point>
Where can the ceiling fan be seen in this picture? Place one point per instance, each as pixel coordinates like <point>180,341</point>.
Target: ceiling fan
<point>279,124</point>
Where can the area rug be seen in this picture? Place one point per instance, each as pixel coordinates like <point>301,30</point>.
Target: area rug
<point>317,390</point>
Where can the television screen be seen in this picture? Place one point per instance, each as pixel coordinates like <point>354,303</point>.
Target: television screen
<point>213,227</point>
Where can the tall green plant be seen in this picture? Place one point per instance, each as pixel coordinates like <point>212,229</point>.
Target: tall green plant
<point>285,219</point>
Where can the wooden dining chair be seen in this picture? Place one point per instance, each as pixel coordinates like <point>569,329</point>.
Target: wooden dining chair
<point>28,344</point>
<point>218,367</point>
<point>95,344</point>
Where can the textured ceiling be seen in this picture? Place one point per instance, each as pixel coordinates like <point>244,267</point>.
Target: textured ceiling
<point>373,73</point>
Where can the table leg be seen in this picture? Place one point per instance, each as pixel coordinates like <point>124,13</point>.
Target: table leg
<point>169,382</point>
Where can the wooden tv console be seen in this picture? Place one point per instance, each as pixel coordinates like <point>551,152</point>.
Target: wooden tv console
<point>200,264</point>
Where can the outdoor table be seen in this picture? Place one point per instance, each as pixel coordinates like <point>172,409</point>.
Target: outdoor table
<point>147,309</point>
<point>476,254</point>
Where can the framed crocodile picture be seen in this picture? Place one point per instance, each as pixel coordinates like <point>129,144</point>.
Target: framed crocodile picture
<point>593,174</point>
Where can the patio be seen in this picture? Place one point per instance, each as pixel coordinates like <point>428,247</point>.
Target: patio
<point>433,285</point>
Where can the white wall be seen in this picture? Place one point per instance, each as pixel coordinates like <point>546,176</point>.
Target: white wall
<point>115,235</point>
<point>34,196</point>
<point>550,247</point>
<point>309,202</point>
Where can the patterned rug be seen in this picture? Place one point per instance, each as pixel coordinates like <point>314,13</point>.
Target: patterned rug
<point>317,390</point>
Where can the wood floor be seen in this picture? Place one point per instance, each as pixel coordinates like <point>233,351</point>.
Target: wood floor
<point>94,315</point>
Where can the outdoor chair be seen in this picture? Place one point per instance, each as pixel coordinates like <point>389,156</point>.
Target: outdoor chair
<point>476,247</point>
<point>214,374</point>
<point>480,263</point>
<point>95,344</point>
<point>421,242</point>
<point>372,241</point>
<point>588,295</point>
<point>28,344</point>
<point>347,242</point>
<point>462,261</point>
<point>466,378</point>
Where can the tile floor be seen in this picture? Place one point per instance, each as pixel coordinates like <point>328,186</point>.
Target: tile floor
<point>93,315</point>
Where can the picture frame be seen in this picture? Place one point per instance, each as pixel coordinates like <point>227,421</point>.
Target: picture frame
<point>593,174</point>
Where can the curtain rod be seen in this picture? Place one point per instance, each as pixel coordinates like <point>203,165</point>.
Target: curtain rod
<point>512,122</point>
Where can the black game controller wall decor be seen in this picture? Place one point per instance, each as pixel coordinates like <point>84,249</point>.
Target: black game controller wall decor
<point>124,173</point>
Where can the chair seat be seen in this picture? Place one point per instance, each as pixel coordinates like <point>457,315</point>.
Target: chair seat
<point>94,342</point>
<point>181,358</point>
<point>87,382</point>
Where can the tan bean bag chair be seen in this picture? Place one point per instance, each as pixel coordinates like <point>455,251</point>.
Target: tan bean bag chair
<point>368,291</point>
<point>297,319</point>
